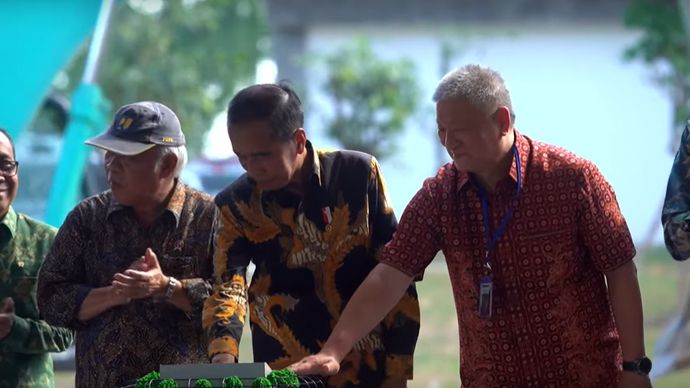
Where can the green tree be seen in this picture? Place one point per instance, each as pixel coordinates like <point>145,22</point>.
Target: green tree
<point>189,54</point>
<point>372,98</point>
<point>665,46</point>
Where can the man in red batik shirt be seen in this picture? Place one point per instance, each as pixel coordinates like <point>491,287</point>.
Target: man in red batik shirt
<point>532,235</point>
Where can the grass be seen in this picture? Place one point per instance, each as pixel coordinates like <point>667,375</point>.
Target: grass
<point>436,357</point>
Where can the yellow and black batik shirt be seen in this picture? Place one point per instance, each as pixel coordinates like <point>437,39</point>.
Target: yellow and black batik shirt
<point>310,253</point>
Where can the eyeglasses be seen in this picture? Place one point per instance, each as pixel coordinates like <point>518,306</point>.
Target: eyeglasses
<point>9,167</point>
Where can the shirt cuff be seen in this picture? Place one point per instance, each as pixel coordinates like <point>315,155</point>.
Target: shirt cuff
<point>18,333</point>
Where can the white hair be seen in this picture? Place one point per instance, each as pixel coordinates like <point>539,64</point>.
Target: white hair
<point>480,86</point>
<point>180,153</point>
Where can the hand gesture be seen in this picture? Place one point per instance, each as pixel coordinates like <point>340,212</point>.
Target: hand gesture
<point>143,279</point>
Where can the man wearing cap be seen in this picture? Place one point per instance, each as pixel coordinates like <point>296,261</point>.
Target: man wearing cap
<point>25,339</point>
<point>130,267</point>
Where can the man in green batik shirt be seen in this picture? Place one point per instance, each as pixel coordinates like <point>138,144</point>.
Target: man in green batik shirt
<point>25,339</point>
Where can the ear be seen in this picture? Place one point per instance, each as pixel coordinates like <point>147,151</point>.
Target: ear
<point>503,120</point>
<point>300,138</point>
<point>167,165</point>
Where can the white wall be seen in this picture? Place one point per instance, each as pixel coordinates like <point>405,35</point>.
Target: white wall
<point>569,86</point>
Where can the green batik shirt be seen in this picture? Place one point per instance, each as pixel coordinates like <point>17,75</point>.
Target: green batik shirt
<point>24,353</point>
<point>311,253</point>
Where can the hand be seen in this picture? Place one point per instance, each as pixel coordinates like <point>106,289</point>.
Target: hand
<point>318,364</point>
<point>223,358</point>
<point>142,279</point>
<point>6,317</point>
<point>634,380</point>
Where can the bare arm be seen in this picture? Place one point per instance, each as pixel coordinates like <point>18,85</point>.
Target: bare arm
<point>99,300</point>
<point>380,291</point>
<point>626,303</point>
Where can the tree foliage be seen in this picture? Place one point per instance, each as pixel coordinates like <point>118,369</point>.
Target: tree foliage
<point>189,54</point>
<point>372,98</point>
<point>664,45</point>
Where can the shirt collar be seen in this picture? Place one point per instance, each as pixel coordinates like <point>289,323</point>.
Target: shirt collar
<point>174,205</point>
<point>10,222</point>
<point>315,166</point>
<point>523,150</point>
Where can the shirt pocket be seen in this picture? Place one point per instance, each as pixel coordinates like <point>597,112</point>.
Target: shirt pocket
<point>182,267</point>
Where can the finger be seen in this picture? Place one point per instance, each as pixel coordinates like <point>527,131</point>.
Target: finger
<point>151,259</point>
<point>132,293</point>
<point>138,275</point>
<point>130,286</point>
<point>124,278</point>
<point>139,264</point>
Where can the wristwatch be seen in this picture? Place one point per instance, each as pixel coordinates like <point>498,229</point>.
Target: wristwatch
<point>641,366</point>
<point>170,289</point>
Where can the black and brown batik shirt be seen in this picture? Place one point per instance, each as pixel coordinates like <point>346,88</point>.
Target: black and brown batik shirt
<point>99,238</point>
<point>311,252</point>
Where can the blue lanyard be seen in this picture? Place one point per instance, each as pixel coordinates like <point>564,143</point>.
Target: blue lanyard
<point>492,240</point>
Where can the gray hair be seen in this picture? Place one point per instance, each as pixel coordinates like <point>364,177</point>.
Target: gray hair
<point>180,153</point>
<point>480,86</point>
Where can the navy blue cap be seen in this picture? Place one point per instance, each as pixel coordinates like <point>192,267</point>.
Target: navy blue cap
<point>139,127</point>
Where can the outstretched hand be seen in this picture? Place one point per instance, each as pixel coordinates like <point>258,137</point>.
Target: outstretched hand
<point>143,279</point>
<point>318,364</point>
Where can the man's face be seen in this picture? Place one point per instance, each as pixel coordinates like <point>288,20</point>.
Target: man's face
<point>271,163</point>
<point>471,137</point>
<point>134,180</point>
<point>8,184</point>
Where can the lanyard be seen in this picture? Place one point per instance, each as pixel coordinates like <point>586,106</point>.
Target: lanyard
<point>491,240</point>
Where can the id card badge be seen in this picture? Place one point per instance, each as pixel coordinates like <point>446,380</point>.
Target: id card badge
<point>486,295</point>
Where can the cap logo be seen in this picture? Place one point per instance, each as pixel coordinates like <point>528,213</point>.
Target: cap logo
<point>167,139</point>
<point>125,122</point>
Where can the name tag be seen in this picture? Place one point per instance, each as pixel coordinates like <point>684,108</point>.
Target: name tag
<point>486,295</point>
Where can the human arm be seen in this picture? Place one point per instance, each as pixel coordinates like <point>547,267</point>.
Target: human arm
<point>413,247</point>
<point>611,250</point>
<point>626,304</point>
<point>100,300</point>
<point>375,297</point>
<point>149,281</point>
<point>225,310</point>
<point>30,336</point>
<point>62,282</point>
<point>675,215</point>
<point>400,326</point>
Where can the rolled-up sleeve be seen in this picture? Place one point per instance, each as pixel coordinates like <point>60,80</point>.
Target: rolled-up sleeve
<point>675,215</point>
<point>225,310</point>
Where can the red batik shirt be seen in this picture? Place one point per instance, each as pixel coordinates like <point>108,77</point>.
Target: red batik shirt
<point>552,324</point>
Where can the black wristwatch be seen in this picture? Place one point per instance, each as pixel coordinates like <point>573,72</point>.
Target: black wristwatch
<point>641,366</point>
